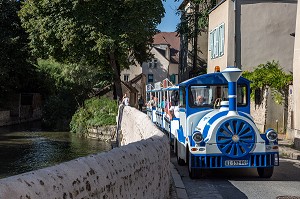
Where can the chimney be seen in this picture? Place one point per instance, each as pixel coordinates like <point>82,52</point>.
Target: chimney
<point>232,74</point>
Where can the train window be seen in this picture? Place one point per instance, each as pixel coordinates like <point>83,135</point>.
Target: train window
<point>174,98</point>
<point>200,96</point>
<point>206,95</point>
<point>182,102</point>
<point>241,94</point>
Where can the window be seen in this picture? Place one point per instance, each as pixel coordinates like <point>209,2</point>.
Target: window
<point>207,95</point>
<point>182,102</point>
<point>217,39</point>
<point>173,78</point>
<point>155,63</point>
<point>150,78</point>
<point>152,63</point>
<point>126,77</point>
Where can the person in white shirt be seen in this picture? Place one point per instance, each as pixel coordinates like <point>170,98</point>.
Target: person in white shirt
<point>125,100</point>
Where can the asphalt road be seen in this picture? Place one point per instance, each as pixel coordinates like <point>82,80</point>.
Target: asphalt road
<point>243,183</point>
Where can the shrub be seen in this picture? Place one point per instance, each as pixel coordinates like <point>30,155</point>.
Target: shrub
<point>95,112</point>
<point>270,75</point>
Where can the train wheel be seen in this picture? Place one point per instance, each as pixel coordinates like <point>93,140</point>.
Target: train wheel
<point>265,172</point>
<point>180,161</point>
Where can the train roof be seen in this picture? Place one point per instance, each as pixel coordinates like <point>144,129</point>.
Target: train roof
<point>171,88</point>
<point>212,78</point>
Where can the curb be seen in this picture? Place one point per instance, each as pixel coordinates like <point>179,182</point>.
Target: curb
<point>179,186</point>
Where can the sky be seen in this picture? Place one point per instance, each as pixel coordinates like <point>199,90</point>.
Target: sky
<point>169,22</point>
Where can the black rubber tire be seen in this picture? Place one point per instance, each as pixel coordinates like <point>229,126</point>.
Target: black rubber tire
<point>265,172</point>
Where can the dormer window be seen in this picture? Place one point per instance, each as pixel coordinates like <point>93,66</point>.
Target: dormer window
<point>153,63</point>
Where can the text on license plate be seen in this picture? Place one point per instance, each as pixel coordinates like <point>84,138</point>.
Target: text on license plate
<point>236,162</point>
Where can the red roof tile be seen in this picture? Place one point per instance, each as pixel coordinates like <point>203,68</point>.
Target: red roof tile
<point>167,38</point>
<point>172,39</point>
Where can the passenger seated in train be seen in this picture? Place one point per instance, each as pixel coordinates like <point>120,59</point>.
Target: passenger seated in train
<point>200,100</point>
<point>162,104</point>
<point>152,102</point>
<point>171,114</point>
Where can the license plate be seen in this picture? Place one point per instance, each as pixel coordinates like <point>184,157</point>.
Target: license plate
<point>236,162</point>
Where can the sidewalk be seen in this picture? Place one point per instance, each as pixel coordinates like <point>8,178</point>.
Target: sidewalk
<point>286,148</point>
<point>178,189</point>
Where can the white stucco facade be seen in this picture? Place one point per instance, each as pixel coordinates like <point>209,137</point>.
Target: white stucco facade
<point>296,79</point>
<point>161,71</point>
<point>256,31</point>
<point>132,72</point>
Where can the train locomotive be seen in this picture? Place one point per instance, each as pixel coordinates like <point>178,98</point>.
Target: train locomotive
<point>214,129</point>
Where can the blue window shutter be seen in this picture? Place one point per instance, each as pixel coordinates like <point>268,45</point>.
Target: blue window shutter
<point>173,78</point>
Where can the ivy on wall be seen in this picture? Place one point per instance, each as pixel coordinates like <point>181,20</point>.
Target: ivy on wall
<point>270,75</point>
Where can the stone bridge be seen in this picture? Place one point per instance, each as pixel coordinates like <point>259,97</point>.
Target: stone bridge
<point>139,168</point>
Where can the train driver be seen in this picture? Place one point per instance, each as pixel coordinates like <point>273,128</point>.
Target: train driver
<point>200,100</point>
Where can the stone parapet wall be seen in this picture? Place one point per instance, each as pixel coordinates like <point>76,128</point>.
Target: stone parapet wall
<point>137,126</point>
<point>104,133</point>
<point>139,169</point>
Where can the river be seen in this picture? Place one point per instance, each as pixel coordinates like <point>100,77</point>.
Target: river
<point>26,147</point>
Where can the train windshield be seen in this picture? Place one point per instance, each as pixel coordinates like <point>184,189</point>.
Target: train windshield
<point>206,95</point>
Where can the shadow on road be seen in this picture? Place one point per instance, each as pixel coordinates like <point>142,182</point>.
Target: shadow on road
<point>219,183</point>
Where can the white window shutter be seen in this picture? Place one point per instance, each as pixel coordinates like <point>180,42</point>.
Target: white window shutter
<point>222,39</point>
<point>211,46</point>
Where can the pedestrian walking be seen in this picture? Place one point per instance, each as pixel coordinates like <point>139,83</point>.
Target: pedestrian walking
<point>141,103</point>
<point>125,100</point>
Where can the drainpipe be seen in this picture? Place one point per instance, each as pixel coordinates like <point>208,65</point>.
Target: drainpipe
<point>237,33</point>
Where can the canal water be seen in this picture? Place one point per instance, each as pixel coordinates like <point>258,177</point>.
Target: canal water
<point>26,147</point>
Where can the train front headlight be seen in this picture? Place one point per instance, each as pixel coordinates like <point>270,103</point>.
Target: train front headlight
<point>271,135</point>
<point>197,137</point>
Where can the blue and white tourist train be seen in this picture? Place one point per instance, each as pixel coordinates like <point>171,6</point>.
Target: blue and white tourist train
<point>208,121</point>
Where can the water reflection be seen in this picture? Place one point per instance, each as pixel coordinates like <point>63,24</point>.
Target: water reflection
<point>22,151</point>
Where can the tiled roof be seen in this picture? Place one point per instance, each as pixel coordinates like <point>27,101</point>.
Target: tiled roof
<point>168,38</point>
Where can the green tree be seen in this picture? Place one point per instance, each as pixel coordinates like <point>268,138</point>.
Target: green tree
<point>65,87</point>
<point>195,20</point>
<point>99,33</point>
<point>16,73</point>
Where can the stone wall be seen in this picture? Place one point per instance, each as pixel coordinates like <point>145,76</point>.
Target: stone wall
<point>138,169</point>
<point>258,111</point>
<point>104,133</point>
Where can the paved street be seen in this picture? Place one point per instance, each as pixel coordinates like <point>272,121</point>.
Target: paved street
<point>243,183</point>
